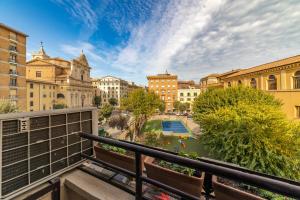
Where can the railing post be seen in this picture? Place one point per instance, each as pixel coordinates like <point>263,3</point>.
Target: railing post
<point>207,185</point>
<point>56,189</point>
<point>138,174</point>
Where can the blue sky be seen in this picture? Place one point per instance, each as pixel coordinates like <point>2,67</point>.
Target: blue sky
<point>132,39</point>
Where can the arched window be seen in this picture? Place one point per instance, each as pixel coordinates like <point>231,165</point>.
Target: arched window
<point>229,84</point>
<point>239,82</point>
<point>272,82</point>
<point>253,83</point>
<point>297,80</point>
<point>60,95</point>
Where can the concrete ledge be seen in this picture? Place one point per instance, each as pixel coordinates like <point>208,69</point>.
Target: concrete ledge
<point>82,186</point>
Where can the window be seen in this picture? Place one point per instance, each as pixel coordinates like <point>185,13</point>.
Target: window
<point>253,83</point>
<point>272,82</point>
<point>13,82</point>
<point>31,94</point>
<point>239,82</point>
<point>31,103</point>
<point>181,94</point>
<point>38,74</point>
<point>188,99</point>
<point>188,94</point>
<point>44,95</point>
<point>44,107</point>
<point>297,111</point>
<point>181,99</point>
<point>195,94</point>
<point>297,80</point>
<point>60,95</point>
<point>13,58</point>
<point>44,87</point>
<point>12,47</point>
<point>229,84</point>
<point>31,85</point>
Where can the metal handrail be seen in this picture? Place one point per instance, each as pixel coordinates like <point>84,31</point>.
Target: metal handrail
<point>281,186</point>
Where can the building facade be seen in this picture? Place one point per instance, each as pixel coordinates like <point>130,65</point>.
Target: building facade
<point>111,87</point>
<point>73,86</point>
<point>187,92</point>
<point>165,86</point>
<point>12,66</point>
<point>280,78</point>
<point>41,95</point>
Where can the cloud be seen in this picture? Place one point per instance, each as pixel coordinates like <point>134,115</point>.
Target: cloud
<point>193,38</point>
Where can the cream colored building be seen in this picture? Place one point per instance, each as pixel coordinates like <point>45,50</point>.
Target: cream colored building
<point>12,66</point>
<point>41,95</point>
<point>165,86</point>
<point>111,87</point>
<point>280,78</point>
<point>74,87</point>
<point>187,92</point>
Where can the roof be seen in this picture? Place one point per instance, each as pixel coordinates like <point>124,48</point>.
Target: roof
<point>270,65</point>
<point>12,29</point>
<point>159,76</point>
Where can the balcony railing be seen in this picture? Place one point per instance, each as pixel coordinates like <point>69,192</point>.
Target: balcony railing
<point>13,72</point>
<point>274,184</point>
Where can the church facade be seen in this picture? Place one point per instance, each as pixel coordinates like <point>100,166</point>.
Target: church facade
<point>70,79</point>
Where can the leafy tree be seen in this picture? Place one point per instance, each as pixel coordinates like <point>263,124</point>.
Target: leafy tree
<point>142,104</point>
<point>176,105</point>
<point>246,127</point>
<point>97,101</point>
<point>187,106</point>
<point>118,121</point>
<point>59,106</point>
<point>113,101</point>
<point>7,107</point>
<point>105,112</point>
<point>162,107</point>
<point>182,107</point>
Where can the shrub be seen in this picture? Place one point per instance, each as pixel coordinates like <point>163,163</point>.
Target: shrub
<point>7,107</point>
<point>152,139</point>
<point>118,121</point>
<point>253,134</point>
<point>59,106</point>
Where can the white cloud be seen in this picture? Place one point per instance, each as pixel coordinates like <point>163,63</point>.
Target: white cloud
<point>193,38</point>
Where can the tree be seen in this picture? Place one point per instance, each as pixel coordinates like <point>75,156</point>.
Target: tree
<point>105,112</point>
<point>182,107</point>
<point>176,105</point>
<point>97,101</point>
<point>59,106</point>
<point>118,121</point>
<point>152,139</point>
<point>7,107</point>
<point>247,127</point>
<point>187,106</point>
<point>142,104</point>
<point>162,106</point>
<point>113,101</point>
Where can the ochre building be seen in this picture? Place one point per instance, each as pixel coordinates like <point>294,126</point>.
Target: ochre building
<point>70,79</point>
<point>165,86</point>
<point>13,66</point>
<point>280,78</point>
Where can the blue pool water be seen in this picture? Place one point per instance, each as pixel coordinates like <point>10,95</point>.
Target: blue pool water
<point>174,126</point>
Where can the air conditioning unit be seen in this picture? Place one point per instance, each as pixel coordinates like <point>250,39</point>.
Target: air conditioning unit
<point>38,146</point>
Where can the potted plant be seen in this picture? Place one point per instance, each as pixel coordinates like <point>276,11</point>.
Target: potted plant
<point>116,156</point>
<point>176,176</point>
<point>225,191</point>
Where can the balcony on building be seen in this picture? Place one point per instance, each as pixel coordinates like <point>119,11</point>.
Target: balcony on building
<point>53,157</point>
<point>13,37</point>
<point>13,49</point>
<point>13,72</point>
<point>13,97</point>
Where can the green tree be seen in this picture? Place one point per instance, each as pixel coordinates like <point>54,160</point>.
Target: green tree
<point>182,107</point>
<point>162,106</point>
<point>97,101</point>
<point>142,104</point>
<point>7,107</point>
<point>152,138</point>
<point>176,105</point>
<point>105,112</point>
<point>59,106</point>
<point>113,101</point>
<point>247,127</point>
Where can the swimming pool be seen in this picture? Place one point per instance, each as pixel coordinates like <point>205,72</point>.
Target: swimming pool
<point>174,126</point>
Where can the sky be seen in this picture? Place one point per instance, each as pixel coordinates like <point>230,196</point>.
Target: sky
<point>135,38</point>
